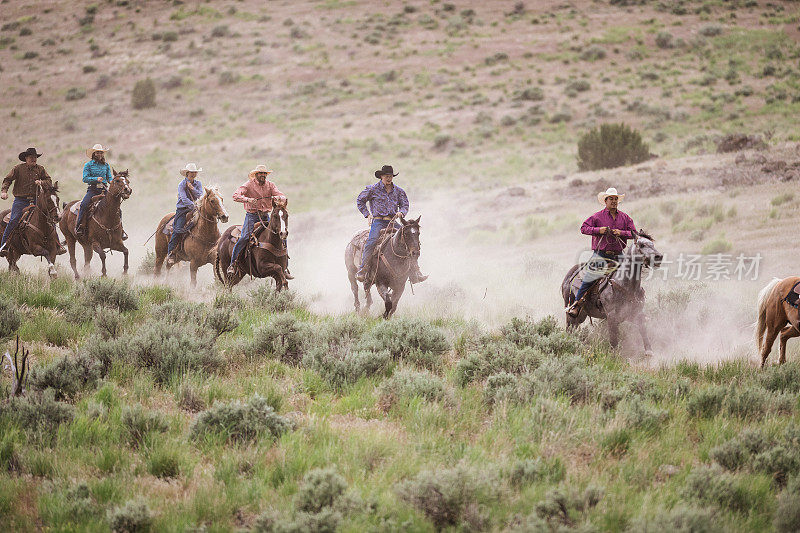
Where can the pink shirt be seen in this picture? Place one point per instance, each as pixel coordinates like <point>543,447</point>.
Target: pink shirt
<point>608,243</point>
<point>263,193</point>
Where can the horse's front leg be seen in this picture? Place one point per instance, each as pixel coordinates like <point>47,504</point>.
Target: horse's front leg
<point>397,292</point>
<point>102,255</point>
<point>787,333</point>
<point>124,250</point>
<point>87,255</point>
<point>351,277</point>
<point>613,329</point>
<point>12,257</point>
<point>386,293</point>
<point>367,296</point>
<point>641,321</point>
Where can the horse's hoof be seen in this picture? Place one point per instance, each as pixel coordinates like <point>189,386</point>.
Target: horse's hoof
<point>648,353</point>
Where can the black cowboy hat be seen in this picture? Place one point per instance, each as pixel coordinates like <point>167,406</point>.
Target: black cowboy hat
<point>385,169</point>
<point>29,151</point>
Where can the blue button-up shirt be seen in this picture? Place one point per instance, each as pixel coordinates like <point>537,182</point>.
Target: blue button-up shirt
<point>95,173</point>
<point>183,195</point>
<point>382,203</point>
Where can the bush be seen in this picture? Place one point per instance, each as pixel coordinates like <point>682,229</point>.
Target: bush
<point>565,376</point>
<point>109,323</point>
<point>780,462</point>
<point>267,298</point>
<point>781,378</point>
<point>75,93</point>
<point>747,401</point>
<point>220,321</point>
<point>220,31</point>
<point>10,318</point>
<point>283,337</point>
<point>543,334</point>
<point>138,422</point>
<point>531,94</point>
<point>495,357</point>
<point>133,517</point>
<point>578,86</point>
<point>37,411</point>
<point>406,335</point>
<point>664,40</point>
<point>714,486</point>
<point>105,351</point>
<point>787,515</point>
<point>637,415</point>
<point>239,421</point>
<point>341,367</point>
<point>407,383</point>
<point>593,53</point>
<point>527,471</point>
<point>144,94</point>
<point>616,441</point>
<point>450,497</point>
<point>321,488</point>
<point>499,387</point>
<point>680,519</point>
<point>559,509</point>
<point>107,292</point>
<point>707,402</point>
<point>67,377</point>
<point>611,146</point>
<point>738,451</point>
<point>164,462</point>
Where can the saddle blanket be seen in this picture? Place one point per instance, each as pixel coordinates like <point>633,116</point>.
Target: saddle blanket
<point>792,298</point>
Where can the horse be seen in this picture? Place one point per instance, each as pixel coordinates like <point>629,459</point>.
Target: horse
<point>776,315</point>
<point>199,245</point>
<point>36,233</point>
<point>395,260</point>
<point>103,225</point>
<point>621,299</point>
<point>267,258</point>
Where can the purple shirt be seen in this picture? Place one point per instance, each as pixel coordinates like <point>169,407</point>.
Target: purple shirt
<point>382,203</point>
<point>608,243</point>
<point>183,193</point>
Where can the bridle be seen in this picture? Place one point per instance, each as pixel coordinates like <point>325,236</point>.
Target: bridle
<point>50,215</point>
<point>409,251</point>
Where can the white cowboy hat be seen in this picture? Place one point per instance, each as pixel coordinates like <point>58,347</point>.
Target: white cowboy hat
<point>611,191</point>
<point>259,168</point>
<point>190,167</point>
<point>96,148</point>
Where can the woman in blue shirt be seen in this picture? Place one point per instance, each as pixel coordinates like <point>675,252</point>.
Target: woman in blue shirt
<point>189,190</point>
<point>96,173</point>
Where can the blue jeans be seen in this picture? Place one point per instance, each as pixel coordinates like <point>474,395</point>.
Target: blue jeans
<point>16,213</point>
<point>250,220</point>
<point>178,227</point>
<point>369,246</point>
<point>91,192</point>
<point>595,269</point>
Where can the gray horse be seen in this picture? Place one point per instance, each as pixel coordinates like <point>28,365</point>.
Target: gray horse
<point>621,299</point>
<point>396,256</point>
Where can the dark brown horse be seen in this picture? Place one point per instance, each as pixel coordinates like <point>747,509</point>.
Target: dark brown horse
<point>36,233</point>
<point>396,256</point>
<point>200,244</point>
<point>103,226</point>
<point>776,316</point>
<point>268,258</point>
<point>621,299</point>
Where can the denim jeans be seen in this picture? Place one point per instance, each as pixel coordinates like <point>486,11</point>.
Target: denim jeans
<point>16,213</point>
<point>178,227</point>
<point>374,232</point>
<point>595,268</point>
<point>250,220</point>
<point>91,192</point>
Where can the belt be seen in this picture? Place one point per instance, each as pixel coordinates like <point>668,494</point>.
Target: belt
<point>382,218</point>
<point>609,252</point>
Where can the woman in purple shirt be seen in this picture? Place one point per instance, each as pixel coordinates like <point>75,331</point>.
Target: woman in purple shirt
<point>609,228</point>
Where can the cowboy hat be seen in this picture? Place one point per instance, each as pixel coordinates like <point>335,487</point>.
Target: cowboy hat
<point>190,167</point>
<point>29,151</point>
<point>385,169</point>
<point>259,168</point>
<point>96,148</point>
<point>611,191</point>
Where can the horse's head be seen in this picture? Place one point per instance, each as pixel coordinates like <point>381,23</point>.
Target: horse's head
<point>409,234</point>
<point>279,220</point>
<point>47,198</point>
<point>120,185</point>
<point>212,202</point>
<point>644,246</point>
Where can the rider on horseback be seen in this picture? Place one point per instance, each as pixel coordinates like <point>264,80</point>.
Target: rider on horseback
<point>189,190</point>
<point>97,173</point>
<point>256,194</point>
<point>25,177</point>
<point>385,201</point>
<point>609,228</point>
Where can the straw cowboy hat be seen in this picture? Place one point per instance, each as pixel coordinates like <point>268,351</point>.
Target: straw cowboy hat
<point>386,169</point>
<point>190,167</point>
<point>26,153</point>
<point>611,191</point>
<point>259,168</point>
<point>96,148</point>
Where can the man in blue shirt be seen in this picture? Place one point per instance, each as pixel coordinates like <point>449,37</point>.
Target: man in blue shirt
<point>385,200</point>
<point>96,173</point>
<point>189,190</point>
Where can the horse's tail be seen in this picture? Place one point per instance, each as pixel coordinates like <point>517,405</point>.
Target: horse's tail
<point>761,321</point>
<point>218,268</point>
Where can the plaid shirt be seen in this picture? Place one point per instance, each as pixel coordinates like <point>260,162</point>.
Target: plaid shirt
<point>382,203</point>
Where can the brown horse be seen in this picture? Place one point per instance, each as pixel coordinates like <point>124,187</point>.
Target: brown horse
<point>267,258</point>
<point>36,233</point>
<point>199,245</point>
<point>103,226</point>
<point>776,315</point>
<point>396,258</point>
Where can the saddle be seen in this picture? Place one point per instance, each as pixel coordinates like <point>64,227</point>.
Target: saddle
<point>191,221</point>
<point>25,213</point>
<point>76,209</point>
<point>793,297</point>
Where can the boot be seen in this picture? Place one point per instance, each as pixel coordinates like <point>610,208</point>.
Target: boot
<point>287,274</point>
<point>171,259</point>
<point>231,269</point>
<point>416,275</point>
<point>575,309</point>
<point>124,236</point>
<point>361,275</point>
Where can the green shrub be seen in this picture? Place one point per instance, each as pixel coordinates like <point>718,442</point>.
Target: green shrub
<point>560,509</point>
<point>451,497</point>
<point>543,334</point>
<point>341,367</point>
<point>321,488</point>
<point>37,411</point>
<point>133,517</point>
<point>499,387</point>
<point>781,378</point>
<point>283,337</point>
<point>780,462</point>
<point>527,471</point>
<point>679,519</point>
<point>637,415</point>
<point>75,93</point>
<point>611,146</point>
<point>714,486</point>
<point>406,335</point>
<point>9,456</point>
<point>267,298</point>
<point>738,451</point>
<point>10,318</point>
<point>67,377</point>
<point>565,376</point>
<point>407,383</point>
<point>530,94</point>
<point>239,421</point>
<point>747,401</point>
<point>616,441</point>
<point>105,351</point>
<point>139,422</point>
<point>664,40</point>
<point>578,86</point>
<point>220,321</point>
<point>706,402</point>
<point>164,462</point>
<point>109,323</point>
<point>144,94</point>
<point>107,292</point>
<point>593,53</point>
<point>787,515</point>
<point>494,357</point>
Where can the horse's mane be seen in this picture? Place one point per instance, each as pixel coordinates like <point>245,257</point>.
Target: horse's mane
<point>646,235</point>
<point>206,190</point>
